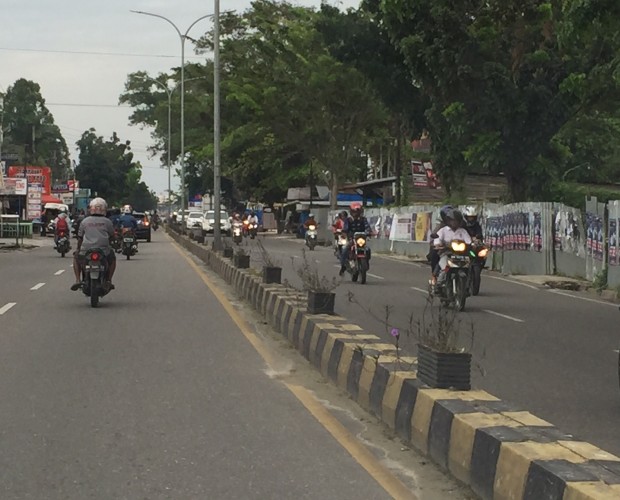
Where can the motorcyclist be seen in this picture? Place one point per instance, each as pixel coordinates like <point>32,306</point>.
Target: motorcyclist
<point>62,224</point>
<point>115,215</point>
<point>127,222</point>
<point>433,253</point>
<point>472,225</point>
<point>453,230</point>
<point>357,223</point>
<point>340,222</point>
<point>95,231</point>
<point>253,219</point>
<point>310,221</point>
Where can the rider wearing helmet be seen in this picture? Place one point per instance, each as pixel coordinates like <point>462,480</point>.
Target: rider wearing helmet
<point>471,223</point>
<point>433,254</point>
<point>95,231</point>
<point>357,223</point>
<point>453,230</point>
<point>310,221</point>
<point>62,224</point>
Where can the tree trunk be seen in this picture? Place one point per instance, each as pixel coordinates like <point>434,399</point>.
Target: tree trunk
<point>399,169</point>
<point>333,201</point>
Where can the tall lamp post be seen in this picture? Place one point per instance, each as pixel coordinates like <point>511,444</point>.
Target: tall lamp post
<point>182,37</point>
<point>217,231</point>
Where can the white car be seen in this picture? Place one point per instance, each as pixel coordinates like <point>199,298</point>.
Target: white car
<point>209,221</point>
<point>194,220</point>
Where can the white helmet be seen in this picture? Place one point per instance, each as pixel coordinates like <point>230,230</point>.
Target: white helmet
<point>471,215</point>
<point>98,206</point>
<point>127,209</point>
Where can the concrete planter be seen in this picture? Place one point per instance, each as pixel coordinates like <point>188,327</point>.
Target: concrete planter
<point>241,261</point>
<point>272,274</point>
<point>444,370</point>
<point>321,302</point>
<point>228,253</point>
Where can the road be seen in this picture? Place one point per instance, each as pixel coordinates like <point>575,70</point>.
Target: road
<point>162,393</point>
<point>550,352</point>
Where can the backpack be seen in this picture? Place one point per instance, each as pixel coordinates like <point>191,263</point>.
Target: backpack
<point>62,225</point>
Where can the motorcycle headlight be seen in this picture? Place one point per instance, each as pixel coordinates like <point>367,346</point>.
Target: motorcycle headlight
<point>483,252</point>
<point>311,227</point>
<point>458,246</point>
<point>360,242</point>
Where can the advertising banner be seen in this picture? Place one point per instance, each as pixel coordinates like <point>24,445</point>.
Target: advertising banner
<point>14,187</point>
<point>35,175</point>
<point>33,207</point>
<point>613,242</point>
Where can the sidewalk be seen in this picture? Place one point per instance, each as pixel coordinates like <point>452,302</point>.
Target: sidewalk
<point>34,242</point>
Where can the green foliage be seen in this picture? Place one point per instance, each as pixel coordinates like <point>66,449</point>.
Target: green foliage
<point>600,281</point>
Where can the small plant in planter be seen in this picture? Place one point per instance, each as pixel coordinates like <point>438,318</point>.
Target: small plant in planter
<point>241,259</point>
<point>272,268</point>
<point>442,362</point>
<point>321,296</point>
<point>227,251</point>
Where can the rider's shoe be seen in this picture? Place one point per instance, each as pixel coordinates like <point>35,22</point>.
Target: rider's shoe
<point>76,286</point>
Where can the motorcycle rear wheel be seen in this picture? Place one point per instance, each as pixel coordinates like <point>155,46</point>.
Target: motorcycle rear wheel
<point>94,293</point>
<point>460,295</point>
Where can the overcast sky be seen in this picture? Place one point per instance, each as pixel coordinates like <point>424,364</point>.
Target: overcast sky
<point>41,41</point>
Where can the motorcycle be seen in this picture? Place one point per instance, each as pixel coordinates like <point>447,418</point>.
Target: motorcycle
<point>478,254</point>
<point>63,245</point>
<point>357,263</point>
<point>237,232</point>
<point>94,275</point>
<point>252,230</point>
<point>155,224</point>
<point>457,284</point>
<point>340,241</point>
<point>130,244</point>
<point>311,236</point>
<point>117,241</point>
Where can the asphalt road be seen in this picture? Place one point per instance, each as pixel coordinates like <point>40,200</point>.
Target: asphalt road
<point>159,394</point>
<point>550,352</point>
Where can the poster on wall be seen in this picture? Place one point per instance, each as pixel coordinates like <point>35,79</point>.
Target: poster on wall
<point>613,242</point>
<point>386,226</point>
<point>599,244</point>
<point>538,232</point>
<point>589,233</point>
<point>421,226</point>
<point>33,207</point>
<point>35,175</point>
<point>401,228</point>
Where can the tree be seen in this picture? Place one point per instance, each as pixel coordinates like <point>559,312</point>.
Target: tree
<point>108,169</point>
<point>31,131</point>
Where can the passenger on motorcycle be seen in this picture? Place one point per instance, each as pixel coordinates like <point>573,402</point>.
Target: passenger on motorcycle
<point>62,224</point>
<point>126,220</point>
<point>433,253</point>
<point>310,221</point>
<point>340,222</point>
<point>452,231</point>
<point>472,225</point>
<point>357,223</point>
<point>95,231</point>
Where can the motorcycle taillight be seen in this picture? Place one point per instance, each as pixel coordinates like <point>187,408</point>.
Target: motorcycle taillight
<point>95,256</point>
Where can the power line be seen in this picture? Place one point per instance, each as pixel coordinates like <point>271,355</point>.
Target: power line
<point>81,52</point>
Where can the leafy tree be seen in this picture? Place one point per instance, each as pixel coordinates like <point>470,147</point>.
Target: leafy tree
<point>30,129</point>
<point>108,169</point>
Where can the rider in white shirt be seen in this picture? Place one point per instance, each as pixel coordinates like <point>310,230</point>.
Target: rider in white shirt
<point>452,231</point>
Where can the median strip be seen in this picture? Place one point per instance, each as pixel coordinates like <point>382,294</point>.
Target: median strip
<point>499,450</point>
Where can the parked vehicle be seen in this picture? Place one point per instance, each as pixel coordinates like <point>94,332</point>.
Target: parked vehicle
<point>64,245</point>
<point>357,263</point>
<point>311,235</point>
<point>457,284</point>
<point>143,232</point>
<point>94,275</point>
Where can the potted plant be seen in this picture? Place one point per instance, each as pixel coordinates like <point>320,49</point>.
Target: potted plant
<point>227,251</point>
<point>320,289</point>
<point>442,362</point>
<point>272,269</point>
<point>241,259</point>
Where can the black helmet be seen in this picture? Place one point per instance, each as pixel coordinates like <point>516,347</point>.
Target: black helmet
<point>446,212</point>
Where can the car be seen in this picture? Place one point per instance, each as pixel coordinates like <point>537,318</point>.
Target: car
<point>209,221</point>
<point>194,220</point>
<point>144,227</point>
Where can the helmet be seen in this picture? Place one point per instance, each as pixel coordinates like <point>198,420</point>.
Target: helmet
<point>471,215</point>
<point>343,214</point>
<point>310,216</point>
<point>356,208</point>
<point>127,209</point>
<point>98,206</point>
<point>446,212</point>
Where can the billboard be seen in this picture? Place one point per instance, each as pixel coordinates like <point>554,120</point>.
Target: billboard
<point>35,175</point>
<point>14,186</point>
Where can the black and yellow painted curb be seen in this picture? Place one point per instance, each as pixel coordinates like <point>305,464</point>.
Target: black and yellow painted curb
<point>500,451</point>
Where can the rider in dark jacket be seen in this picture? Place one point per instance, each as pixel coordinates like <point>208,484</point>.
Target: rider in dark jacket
<point>471,223</point>
<point>357,223</point>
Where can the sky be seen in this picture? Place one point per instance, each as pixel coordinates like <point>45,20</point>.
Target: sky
<point>80,53</point>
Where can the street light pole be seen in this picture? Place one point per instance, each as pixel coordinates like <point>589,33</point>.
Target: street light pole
<point>182,38</point>
<point>217,232</point>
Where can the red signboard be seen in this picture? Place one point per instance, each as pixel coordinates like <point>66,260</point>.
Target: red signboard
<point>35,175</point>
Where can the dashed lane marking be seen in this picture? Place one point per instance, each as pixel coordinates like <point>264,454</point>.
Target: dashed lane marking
<point>514,282</point>
<point>375,276</point>
<point>505,316</point>
<point>58,273</point>
<point>6,307</point>
<point>37,286</point>
<point>421,290</point>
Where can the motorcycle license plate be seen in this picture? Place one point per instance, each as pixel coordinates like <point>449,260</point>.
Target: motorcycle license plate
<point>128,240</point>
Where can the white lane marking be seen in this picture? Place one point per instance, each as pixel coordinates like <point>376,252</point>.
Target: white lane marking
<point>6,307</point>
<point>375,276</point>
<point>400,261</point>
<point>421,290</point>
<point>58,273</point>
<point>566,294</point>
<point>37,286</point>
<point>514,282</point>
<point>517,320</point>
